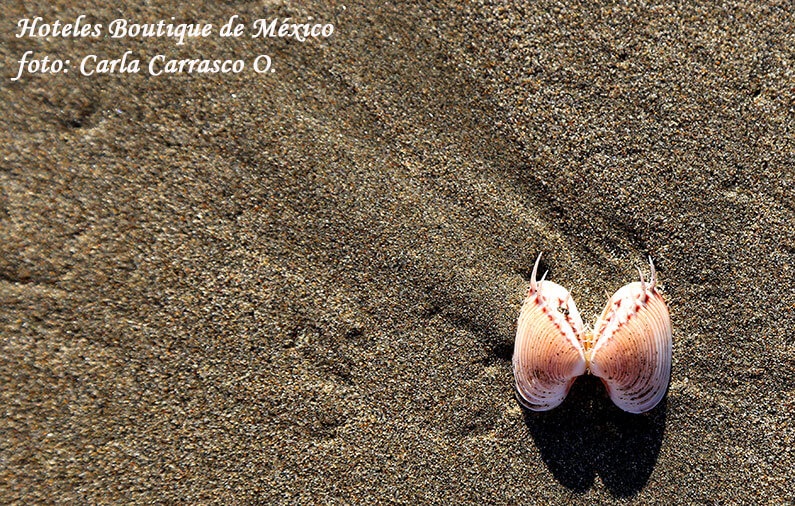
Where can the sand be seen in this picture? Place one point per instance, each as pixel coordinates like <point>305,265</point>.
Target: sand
<point>302,287</point>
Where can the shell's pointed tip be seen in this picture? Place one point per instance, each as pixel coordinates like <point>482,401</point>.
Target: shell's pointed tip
<point>653,280</point>
<point>533,286</point>
<point>644,295</point>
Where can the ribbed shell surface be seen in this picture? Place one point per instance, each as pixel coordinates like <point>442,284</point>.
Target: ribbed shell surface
<point>633,346</point>
<point>547,354</point>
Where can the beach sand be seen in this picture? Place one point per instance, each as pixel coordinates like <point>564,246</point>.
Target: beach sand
<point>302,287</point>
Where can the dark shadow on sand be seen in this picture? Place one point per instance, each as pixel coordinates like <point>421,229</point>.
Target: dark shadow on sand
<point>587,435</point>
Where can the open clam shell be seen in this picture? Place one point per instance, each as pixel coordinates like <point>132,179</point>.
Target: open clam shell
<point>547,355</point>
<point>630,349</point>
<point>633,346</point>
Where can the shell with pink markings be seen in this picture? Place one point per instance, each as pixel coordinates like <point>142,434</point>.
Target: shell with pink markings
<point>629,349</point>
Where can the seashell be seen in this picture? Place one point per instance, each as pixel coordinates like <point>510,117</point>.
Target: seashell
<point>632,346</point>
<point>629,349</point>
<point>548,354</point>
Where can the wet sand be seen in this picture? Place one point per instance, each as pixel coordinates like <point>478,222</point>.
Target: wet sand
<point>303,287</point>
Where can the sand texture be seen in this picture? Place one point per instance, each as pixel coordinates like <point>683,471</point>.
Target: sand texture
<point>302,287</point>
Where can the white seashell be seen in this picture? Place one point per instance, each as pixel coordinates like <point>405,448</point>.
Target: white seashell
<point>629,350</point>
<point>547,355</point>
<point>633,346</point>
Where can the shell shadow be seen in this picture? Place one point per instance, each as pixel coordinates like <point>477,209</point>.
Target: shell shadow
<point>587,435</point>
